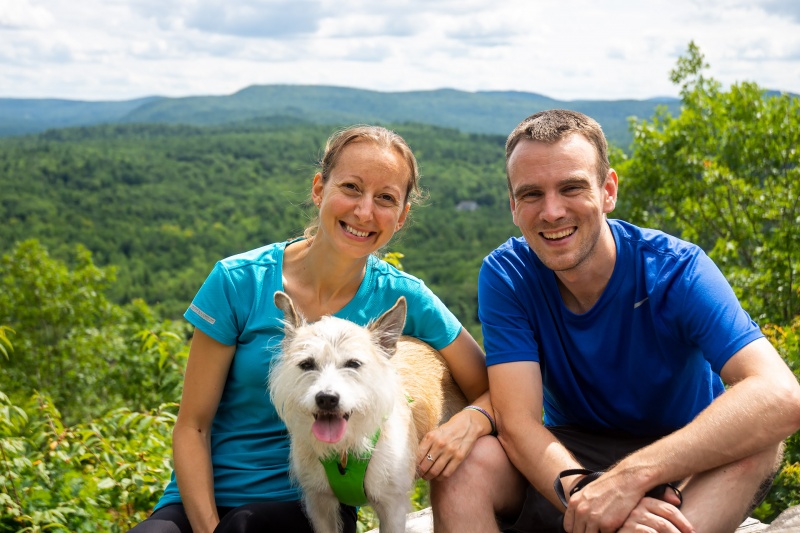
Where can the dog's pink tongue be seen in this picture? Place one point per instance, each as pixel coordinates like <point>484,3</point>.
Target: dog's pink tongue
<point>329,428</point>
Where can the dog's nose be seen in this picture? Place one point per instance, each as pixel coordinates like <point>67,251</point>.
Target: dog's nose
<point>327,400</point>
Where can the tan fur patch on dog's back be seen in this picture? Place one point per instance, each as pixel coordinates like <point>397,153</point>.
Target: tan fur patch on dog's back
<point>434,395</point>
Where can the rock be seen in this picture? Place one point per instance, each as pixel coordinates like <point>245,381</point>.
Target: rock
<point>751,525</point>
<point>787,522</point>
<point>418,522</point>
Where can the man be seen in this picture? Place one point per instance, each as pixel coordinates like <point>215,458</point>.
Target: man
<point>620,335</point>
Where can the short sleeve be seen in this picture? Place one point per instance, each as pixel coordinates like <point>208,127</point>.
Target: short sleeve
<point>709,313</point>
<point>213,310</point>
<point>429,320</point>
<point>507,332</point>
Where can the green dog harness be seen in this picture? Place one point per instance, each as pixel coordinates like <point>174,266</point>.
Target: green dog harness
<point>347,480</point>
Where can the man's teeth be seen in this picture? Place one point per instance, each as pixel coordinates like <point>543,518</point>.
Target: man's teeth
<point>559,234</point>
<point>355,232</point>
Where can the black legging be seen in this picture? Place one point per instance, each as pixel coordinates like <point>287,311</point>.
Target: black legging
<point>251,518</point>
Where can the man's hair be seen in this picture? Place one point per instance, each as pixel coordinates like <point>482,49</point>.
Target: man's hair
<point>555,124</point>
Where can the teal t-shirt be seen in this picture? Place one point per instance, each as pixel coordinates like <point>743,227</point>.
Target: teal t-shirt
<point>249,443</point>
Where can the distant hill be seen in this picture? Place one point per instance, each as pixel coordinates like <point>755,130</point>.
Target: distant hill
<point>20,116</point>
<point>492,112</point>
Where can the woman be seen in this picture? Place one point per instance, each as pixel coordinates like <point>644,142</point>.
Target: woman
<point>230,448</point>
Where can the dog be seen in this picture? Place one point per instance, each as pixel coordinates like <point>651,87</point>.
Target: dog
<point>346,393</point>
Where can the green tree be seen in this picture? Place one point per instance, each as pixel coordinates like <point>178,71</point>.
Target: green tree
<point>73,345</point>
<point>725,173</point>
<point>786,488</point>
<point>54,311</point>
<point>105,474</point>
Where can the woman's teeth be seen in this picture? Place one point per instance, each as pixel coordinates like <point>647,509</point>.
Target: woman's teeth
<point>355,232</point>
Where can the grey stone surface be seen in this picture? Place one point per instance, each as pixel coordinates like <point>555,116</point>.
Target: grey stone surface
<point>787,522</point>
<point>751,525</point>
<point>418,522</point>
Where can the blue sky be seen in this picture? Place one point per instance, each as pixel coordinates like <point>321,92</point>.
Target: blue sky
<point>565,49</point>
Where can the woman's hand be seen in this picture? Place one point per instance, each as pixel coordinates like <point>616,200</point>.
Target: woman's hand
<point>444,448</point>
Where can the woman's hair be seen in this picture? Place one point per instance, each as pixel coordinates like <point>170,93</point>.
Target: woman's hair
<point>555,124</point>
<point>382,138</point>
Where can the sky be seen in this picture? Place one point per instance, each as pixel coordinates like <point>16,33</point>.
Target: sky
<point>565,49</point>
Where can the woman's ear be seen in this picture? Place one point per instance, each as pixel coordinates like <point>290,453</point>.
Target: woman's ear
<point>403,216</point>
<point>316,189</point>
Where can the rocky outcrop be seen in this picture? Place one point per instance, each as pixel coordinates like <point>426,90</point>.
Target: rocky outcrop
<point>787,522</point>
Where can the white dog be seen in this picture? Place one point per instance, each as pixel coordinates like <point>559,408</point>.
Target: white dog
<point>356,398</point>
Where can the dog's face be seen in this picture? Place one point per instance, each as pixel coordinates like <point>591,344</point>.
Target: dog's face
<point>333,383</point>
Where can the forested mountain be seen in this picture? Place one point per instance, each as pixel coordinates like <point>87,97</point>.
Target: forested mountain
<point>163,203</point>
<point>478,112</point>
<point>20,116</point>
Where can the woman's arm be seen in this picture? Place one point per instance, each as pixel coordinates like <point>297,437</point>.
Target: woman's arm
<point>206,372</point>
<point>450,443</point>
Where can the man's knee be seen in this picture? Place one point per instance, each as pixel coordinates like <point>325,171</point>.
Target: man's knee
<point>486,478</point>
<point>762,465</point>
<point>765,467</point>
<point>486,456</point>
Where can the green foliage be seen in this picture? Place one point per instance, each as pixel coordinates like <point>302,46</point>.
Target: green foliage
<point>725,173</point>
<point>103,475</point>
<point>393,258</point>
<point>55,313</point>
<point>368,519</point>
<point>74,345</point>
<point>786,488</point>
<point>5,342</point>
<point>164,203</point>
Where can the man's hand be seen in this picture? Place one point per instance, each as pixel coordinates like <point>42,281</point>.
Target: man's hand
<point>600,506</point>
<point>603,506</point>
<point>657,515</point>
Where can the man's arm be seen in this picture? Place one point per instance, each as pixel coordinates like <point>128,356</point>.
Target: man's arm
<point>760,409</point>
<point>516,392</point>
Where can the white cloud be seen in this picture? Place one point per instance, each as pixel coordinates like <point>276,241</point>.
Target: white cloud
<point>20,14</point>
<point>573,49</point>
<point>274,20</point>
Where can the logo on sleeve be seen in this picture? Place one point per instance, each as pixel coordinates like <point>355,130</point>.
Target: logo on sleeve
<point>201,314</point>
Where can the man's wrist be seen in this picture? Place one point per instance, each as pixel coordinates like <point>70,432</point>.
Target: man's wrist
<point>575,479</point>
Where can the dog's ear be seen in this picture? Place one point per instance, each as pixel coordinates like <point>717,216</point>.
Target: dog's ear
<point>291,317</point>
<point>389,326</point>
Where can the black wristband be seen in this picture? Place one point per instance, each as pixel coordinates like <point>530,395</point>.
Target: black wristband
<point>655,492</point>
<point>658,492</point>
<point>559,488</point>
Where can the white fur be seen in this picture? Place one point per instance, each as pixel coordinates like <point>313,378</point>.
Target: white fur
<point>371,394</point>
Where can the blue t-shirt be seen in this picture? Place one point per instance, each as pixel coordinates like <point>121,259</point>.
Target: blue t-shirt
<point>249,443</point>
<point>645,359</point>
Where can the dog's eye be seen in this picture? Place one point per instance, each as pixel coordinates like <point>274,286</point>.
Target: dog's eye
<point>307,364</point>
<point>352,363</point>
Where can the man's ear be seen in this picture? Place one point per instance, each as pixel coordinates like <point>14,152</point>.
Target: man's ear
<point>513,205</point>
<point>610,189</point>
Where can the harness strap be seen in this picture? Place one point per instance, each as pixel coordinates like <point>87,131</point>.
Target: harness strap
<point>346,475</point>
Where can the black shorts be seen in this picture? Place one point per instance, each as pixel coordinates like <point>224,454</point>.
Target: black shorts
<point>595,451</point>
<point>266,517</point>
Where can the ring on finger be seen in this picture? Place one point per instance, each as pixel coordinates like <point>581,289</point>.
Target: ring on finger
<point>429,457</point>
